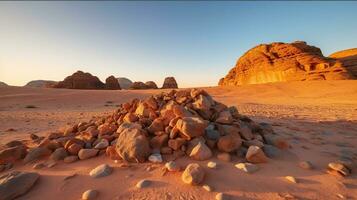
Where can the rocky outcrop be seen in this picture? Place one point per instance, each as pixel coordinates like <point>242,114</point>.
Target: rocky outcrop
<point>80,80</point>
<point>169,82</point>
<point>138,86</point>
<point>41,84</point>
<point>348,58</point>
<point>124,83</point>
<point>111,83</point>
<point>279,61</point>
<point>151,85</point>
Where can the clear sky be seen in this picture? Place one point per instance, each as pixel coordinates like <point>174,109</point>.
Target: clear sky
<point>196,42</point>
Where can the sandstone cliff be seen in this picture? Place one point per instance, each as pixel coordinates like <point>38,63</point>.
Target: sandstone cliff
<point>278,62</point>
<point>80,80</point>
<point>349,59</point>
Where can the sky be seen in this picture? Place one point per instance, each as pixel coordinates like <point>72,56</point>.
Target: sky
<point>196,42</point>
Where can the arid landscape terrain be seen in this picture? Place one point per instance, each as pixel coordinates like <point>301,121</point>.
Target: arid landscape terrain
<point>317,118</point>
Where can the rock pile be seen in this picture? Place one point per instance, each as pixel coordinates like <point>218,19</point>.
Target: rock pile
<point>295,61</point>
<point>177,123</point>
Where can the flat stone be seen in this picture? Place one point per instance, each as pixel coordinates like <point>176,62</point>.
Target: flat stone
<point>291,179</point>
<point>212,165</point>
<point>207,188</point>
<point>87,153</point>
<point>101,171</point>
<point>16,183</point>
<point>70,159</point>
<point>143,183</point>
<point>247,167</point>
<point>155,158</point>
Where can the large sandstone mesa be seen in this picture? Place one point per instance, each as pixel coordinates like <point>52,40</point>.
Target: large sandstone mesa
<point>349,59</point>
<point>169,82</point>
<point>80,80</point>
<point>279,61</point>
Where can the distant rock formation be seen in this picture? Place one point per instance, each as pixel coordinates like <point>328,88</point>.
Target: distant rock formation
<point>279,61</point>
<point>124,83</point>
<point>169,82</point>
<point>111,83</point>
<point>139,86</point>
<point>80,80</point>
<point>2,84</point>
<point>41,83</point>
<point>349,59</point>
<point>151,84</point>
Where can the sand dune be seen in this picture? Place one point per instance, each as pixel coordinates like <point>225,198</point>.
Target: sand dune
<point>319,118</point>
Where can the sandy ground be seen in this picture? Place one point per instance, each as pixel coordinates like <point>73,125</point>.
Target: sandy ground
<point>319,118</point>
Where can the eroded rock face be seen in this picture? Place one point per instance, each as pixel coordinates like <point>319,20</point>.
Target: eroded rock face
<point>111,83</point>
<point>80,80</point>
<point>169,82</point>
<point>278,62</point>
<point>349,59</point>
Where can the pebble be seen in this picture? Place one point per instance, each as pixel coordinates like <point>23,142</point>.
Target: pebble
<point>305,165</point>
<point>101,171</point>
<point>212,165</point>
<point>291,179</point>
<point>102,144</point>
<point>87,153</point>
<point>222,196</point>
<point>143,183</point>
<point>90,195</point>
<point>70,159</point>
<point>172,166</point>
<point>207,188</point>
<point>155,158</point>
<point>247,167</point>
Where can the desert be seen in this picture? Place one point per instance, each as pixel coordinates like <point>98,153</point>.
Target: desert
<point>178,100</point>
<point>317,118</point>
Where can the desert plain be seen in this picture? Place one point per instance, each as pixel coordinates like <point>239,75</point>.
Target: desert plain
<point>317,118</point>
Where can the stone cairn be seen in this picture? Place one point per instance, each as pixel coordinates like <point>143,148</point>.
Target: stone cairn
<point>174,124</point>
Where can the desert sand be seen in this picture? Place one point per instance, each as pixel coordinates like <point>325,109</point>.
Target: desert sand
<point>318,118</point>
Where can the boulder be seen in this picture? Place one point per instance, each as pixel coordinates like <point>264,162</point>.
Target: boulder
<point>201,152</point>
<point>111,83</point>
<point>12,154</point>
<point>90,195</point>
<point>191,127</point>
<point>101,171</point>
<point>169,82</point>
<point>193,174</point>
<point>279,61</point>
<point>256,155</point>
<point>87,153</point>
<point>16,183</point>
<point>80,80</point>
<point>59,154</point>
<point>36,153</point>
<point>132,145</point>
<point>229,143</point>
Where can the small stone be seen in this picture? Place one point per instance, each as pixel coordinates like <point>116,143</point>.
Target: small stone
<point>155,158</point>
<point>224,157</point>
<point>87,153</point>
<point>305,165</point>
<point>207,188</point>
<point>59,154</point>
<point>256,155</point>
<point>70,159</point>
<point>101,171</point>
<point>143,183</point>
<point>193,174</point>
<point>222,196</point>
<point>102,144</point>
<point>341,196</point>
<point>51,163</point>
<point>212,165</point>
<point>339,167</point>
<point>90,195</point>
<point>247,167</point>
<point>172,166</point>
<point>291,179</point>
<point>201,152</point>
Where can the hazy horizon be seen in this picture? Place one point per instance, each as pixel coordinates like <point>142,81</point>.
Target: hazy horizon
<point>196,42</point>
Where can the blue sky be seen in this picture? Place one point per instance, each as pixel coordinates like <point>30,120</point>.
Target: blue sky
<point>197,42</point>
